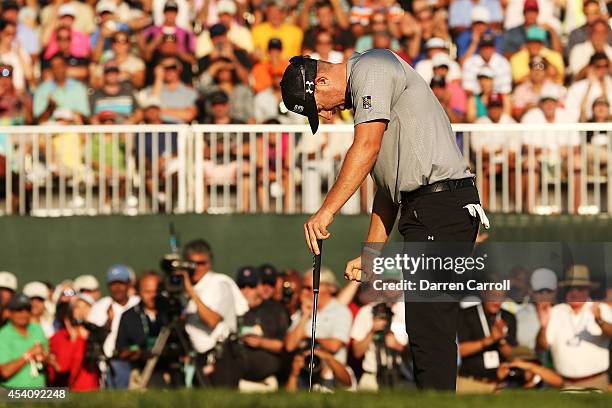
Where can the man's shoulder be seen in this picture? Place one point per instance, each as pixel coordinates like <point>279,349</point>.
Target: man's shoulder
<point>469,311</point>
<point>7,330</point>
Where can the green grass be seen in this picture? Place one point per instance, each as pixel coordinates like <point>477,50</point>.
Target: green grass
<point>220,399</point>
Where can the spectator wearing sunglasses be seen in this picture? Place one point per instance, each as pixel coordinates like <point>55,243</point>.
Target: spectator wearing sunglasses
<point>262,329</point>
<point>211,314</point>
<point>542,295</point>
<point>177,100</point>
<point>23,347</point>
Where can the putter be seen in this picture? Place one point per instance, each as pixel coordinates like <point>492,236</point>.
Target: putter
<point>316,275</point>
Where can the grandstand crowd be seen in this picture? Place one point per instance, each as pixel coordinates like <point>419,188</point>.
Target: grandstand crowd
<point>253,333</point>
<point>220,61</point>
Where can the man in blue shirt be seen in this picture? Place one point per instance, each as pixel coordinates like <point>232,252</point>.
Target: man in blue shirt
<point>467,42</point>
<point>59,93</point>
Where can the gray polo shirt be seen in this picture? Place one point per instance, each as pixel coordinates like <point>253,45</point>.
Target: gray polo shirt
<point>418,147</point>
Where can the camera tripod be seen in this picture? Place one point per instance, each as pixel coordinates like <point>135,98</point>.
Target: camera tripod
<point>141,380</point>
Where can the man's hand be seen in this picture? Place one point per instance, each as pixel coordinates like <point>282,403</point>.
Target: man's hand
<point>306,308</point>
<point>543,310</point>
<point>252,341</point>
<point>353,270</point>
<point>499,330</point>
<point>596,310</point>
<point>187,284</point>
<point>297,364</point>
<point>378,324</point>
<point>110,314</point>
<point>316,228</point>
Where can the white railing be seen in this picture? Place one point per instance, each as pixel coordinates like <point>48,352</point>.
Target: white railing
<point>53,170</point>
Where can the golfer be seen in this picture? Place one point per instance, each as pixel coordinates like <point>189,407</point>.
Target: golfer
<point>404,139</point>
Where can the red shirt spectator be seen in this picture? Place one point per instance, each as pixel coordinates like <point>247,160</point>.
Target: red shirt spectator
<point>69,354</point>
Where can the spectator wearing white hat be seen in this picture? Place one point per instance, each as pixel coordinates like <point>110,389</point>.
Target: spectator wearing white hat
<point>108,25</point>
<point>39,294</point>
<point>8,286</point>
<point>333,319</point>
<point>65,18</point>
<point>469,40</point>
<point>237,34</point>
<point>87,285</point>
<point>542,295</point>
<point>460,13</point>
<point>107,312</point>
<point>84,16</point>
<point>578,333</point>
<point>437,48</point>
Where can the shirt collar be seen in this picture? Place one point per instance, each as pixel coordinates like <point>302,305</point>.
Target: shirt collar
<point>348,98</point>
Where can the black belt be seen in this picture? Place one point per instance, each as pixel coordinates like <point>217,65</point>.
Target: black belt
<point>438,187</point>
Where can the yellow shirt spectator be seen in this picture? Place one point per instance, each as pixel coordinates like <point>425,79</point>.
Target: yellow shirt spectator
<point>519,62</point>
<point>290,35</point>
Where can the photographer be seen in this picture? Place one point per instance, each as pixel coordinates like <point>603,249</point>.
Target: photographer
<point>342,376</point>
<point>23,347</point>
<point>75,368</point>
<point>333,324</point>
<point>211,316</point>
<point>525,371</point>
<point>379,337</point>
<point>262,328</point>
<point>138,330</point>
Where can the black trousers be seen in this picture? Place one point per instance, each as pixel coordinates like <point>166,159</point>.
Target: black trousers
<point>432,326</point>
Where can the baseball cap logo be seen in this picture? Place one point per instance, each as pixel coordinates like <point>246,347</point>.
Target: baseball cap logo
<point>298,109</point>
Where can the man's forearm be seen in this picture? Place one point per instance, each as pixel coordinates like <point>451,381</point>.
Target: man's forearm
<point>294,336</point>
<point>9,369</point>
<point>384,212</point>
<point>206,314</point>
<point>358,162</point>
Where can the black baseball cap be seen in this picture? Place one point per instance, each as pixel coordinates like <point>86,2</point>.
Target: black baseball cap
<point>171,5</point>
<point>487,40</point>
<point>218,97</point>
<point>268,274</point>
<point>275,44</point>
<point>19,301</point>
<point>298,87</point>
<point>217,30</point>
<point>247,276</point>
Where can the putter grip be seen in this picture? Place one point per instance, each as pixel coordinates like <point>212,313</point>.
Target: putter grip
<point>316,266</point>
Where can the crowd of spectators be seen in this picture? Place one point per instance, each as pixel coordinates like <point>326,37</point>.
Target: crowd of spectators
<point>252,332</point>
<point>220,62</point>
<point>101,60</point>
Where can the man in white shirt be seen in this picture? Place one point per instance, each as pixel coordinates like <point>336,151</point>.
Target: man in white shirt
<point>582,94</point>
<point>379,341</point>
<point>487,56</point>
<point>333,320</point>
<point>211,314</point>
<point>437,49</point>
<point>107,312</point>
<point>581,54</point>
<point>578,333</point>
